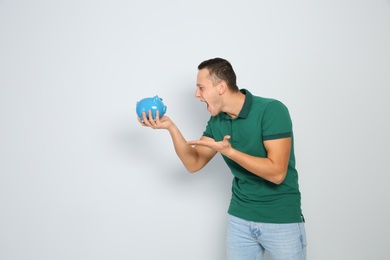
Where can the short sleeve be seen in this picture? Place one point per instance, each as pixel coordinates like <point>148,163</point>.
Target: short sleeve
<point>276,121</point>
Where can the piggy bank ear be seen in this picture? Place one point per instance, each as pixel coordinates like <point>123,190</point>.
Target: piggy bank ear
<point>155,98</point>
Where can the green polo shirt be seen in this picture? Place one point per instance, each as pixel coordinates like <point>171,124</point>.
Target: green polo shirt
<point>254,198</point>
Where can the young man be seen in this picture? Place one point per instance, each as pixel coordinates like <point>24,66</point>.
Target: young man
<point>254,136</point>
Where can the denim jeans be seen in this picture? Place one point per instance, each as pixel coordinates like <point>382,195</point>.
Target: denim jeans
<point>247,240</point>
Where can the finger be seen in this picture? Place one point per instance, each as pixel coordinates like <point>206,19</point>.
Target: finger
<point>192,143</point>
<point>157,116</point>
<point>140,121</point>
<point>145,119</point>
<point>151,121</point>
<point>197,142</point>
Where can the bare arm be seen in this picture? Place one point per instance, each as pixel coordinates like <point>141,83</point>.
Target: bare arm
<point>193,158</point>
<point>272,168</point>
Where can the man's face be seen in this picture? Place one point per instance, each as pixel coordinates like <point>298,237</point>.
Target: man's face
<point>207,92</point>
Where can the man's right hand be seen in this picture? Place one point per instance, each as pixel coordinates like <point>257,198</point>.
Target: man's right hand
<point>160,123</point>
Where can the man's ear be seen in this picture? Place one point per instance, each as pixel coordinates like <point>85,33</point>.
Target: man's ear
<point>222,87</point>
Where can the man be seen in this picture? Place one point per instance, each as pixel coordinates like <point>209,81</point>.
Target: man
<point>254,136</point>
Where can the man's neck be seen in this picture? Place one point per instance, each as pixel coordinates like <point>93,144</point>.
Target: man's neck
<point>234,104</point>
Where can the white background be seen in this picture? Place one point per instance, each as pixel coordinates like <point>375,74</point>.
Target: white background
<point>81,179</point>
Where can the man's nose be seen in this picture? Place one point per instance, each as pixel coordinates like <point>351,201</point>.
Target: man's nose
<point>197,95</point>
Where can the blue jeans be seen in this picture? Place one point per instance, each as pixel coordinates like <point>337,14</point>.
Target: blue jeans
<point>247,240</point>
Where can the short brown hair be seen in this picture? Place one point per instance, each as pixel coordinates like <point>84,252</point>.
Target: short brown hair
<point>220,69</point>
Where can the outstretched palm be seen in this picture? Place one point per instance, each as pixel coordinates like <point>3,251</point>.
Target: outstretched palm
<point>221,146</point>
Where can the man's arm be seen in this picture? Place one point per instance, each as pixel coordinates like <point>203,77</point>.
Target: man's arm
<point>272,168</point>
<point>193,158</point>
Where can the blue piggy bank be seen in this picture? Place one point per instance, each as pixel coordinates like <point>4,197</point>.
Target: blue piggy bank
<point>151,103</point>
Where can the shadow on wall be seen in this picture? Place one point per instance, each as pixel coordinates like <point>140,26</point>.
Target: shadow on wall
<point>153,148</point>
<point>143,146</point>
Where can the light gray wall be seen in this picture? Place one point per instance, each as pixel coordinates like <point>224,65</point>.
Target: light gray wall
<point>81,179</point>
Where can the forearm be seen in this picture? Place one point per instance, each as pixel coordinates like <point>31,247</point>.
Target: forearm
<point>186,153</point>
<point>265,168</point>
